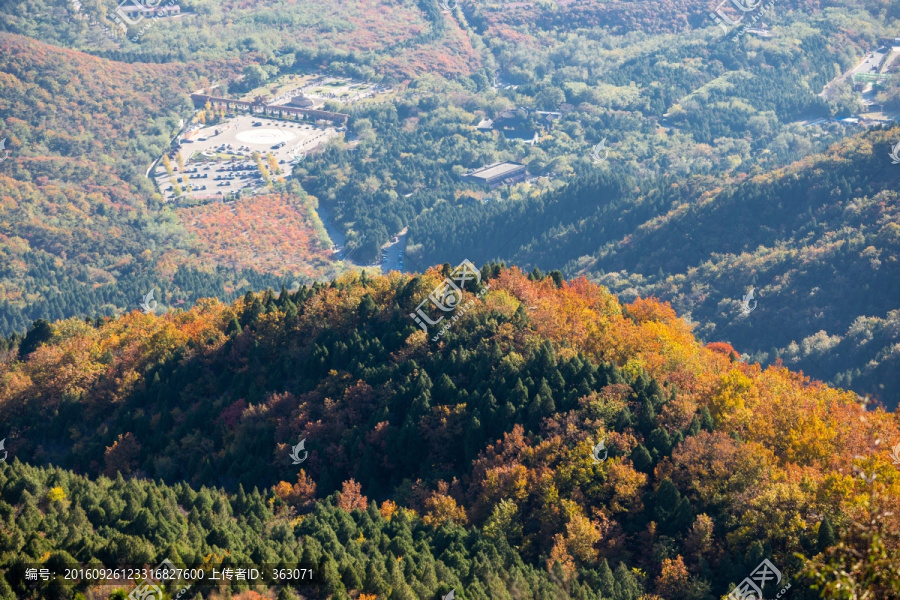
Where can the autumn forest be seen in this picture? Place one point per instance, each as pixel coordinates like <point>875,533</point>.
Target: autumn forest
<point>457,300</point>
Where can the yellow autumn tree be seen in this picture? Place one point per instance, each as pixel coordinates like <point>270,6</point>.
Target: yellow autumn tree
<point>441,509</point>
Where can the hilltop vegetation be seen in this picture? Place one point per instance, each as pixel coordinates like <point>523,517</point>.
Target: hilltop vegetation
<point>684,114</point>
<point>352,543</point>
<point>483,440</point>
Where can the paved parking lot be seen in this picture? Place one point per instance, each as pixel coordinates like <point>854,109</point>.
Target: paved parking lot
<point>218,158</point>
<point>392,253</point>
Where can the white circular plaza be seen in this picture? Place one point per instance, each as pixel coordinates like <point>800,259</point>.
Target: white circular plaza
<point>265,136</point>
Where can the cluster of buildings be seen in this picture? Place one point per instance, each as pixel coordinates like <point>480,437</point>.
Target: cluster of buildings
<point>520,123</point>
<point>517,122</point>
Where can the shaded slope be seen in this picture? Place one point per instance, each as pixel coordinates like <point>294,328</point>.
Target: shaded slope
<point>818,241</point>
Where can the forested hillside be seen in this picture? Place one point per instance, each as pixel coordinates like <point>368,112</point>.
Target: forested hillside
<point>352,543</point>
<point>681,106</point>
<point>817,240</point>
<point>359,37</point>
<point>669,100</point>
<point>279,233</point>
<point>692,369</point>
<point>82,231</point>
<point>469,459</point>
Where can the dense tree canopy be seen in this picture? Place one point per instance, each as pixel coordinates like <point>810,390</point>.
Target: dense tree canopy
<point>482,441</point>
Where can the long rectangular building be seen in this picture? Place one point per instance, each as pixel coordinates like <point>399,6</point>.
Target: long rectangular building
<point>497,174</point>
<point>259,107</point>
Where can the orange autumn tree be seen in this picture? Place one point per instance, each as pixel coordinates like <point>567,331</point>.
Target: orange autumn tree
<point>122,456</point>
<point>300,495</point>
<point>350,497</point>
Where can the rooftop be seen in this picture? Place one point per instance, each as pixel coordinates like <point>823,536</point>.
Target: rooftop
<point>494,170</point>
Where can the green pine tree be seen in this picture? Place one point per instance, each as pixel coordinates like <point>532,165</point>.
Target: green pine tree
<point>641,459</point>
<point>607,583</point>
<point>826,535</point>
<point>627,586</point>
